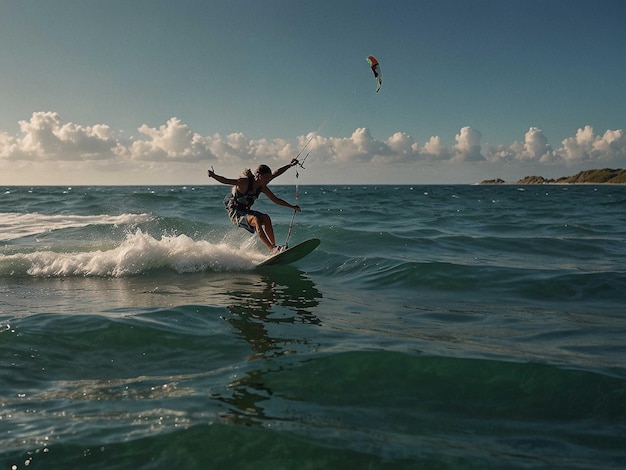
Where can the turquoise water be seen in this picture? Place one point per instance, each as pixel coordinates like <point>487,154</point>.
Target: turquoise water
<point>434,327</point>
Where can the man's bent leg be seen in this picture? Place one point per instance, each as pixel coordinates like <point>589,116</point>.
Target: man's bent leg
<point>258,226</point>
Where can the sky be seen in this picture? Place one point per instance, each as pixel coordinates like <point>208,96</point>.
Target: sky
<point>147,92</point>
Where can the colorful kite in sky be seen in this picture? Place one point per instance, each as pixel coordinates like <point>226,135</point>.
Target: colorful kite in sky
<point>378,74</point>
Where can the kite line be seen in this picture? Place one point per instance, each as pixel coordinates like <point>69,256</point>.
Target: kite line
<point>378,77</point>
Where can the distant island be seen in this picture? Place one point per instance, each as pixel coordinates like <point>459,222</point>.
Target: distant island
<point>604,176</point>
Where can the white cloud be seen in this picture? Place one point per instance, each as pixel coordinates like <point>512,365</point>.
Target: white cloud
<point>360,146</point>
<point>436,148</point>
<point>46,137</point>
<point>402,148</point>
<point>467,146</point>
<point>536,146</point>
<point>586,145</point>
<point>173,148</point>
<point>238,147</point>
<point>172,141</point>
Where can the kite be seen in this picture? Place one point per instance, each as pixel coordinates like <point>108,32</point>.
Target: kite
<point>378,74</point>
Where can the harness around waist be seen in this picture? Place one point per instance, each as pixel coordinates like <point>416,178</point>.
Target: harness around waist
<point>241,203</point>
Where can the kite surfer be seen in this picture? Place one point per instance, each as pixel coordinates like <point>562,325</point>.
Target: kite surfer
<point>246,189</point>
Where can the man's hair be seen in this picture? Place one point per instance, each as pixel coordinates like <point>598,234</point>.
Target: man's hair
<point>263,170</point>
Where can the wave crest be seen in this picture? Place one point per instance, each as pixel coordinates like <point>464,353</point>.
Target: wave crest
<point>138,253</point>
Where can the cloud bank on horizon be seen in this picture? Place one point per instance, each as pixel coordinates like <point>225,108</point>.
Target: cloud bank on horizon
<point>46,143</point>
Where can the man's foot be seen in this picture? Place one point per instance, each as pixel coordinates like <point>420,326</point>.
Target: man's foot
<point>277,249</point>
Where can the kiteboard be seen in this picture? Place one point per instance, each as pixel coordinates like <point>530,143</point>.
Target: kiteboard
<point>293,253</point>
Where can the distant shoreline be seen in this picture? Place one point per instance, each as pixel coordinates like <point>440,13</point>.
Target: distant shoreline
<point>599,176</point>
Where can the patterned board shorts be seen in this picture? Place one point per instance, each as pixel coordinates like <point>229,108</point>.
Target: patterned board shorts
<point>239,217</point>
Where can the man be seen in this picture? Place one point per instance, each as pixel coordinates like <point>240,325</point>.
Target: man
<point>246,189</point>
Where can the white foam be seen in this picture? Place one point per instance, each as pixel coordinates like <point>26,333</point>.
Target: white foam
<point>15,225</point>
<point>138,253</point>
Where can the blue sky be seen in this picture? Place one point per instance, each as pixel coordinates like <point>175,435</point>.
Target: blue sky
<point>155,92</point>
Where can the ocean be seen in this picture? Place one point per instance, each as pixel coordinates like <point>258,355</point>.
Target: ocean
<point>443,327</point>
